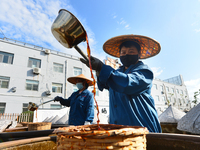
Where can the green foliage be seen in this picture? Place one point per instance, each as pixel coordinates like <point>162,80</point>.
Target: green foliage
<point>28,112</point>
<point>196,94</point>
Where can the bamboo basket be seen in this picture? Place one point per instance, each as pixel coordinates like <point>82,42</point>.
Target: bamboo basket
<point>110,136</point>
<point>39,126</point>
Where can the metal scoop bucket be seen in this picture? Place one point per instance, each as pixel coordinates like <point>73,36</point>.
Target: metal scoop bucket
<point>68,30</point>
<point>33,106</point>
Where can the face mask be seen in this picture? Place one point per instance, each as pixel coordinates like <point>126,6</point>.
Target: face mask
<point>79,86</point>
<point>128,60</point>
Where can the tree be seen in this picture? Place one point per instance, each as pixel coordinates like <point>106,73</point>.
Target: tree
<point>196,94</point>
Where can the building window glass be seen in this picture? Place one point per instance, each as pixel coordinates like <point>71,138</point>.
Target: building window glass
<point>57,67</point>
<point>185,92</point>
<point>177,91</point>
<point>55,106</point>
<point>2,107</point>
<point>167,89</point>
<point>157,98</point>
<point>4,82</point>
<point>182,92</point>
<point>56,88</point>
<point>6,58</point>
<point>34,63</point>
<point>174,100</point>
<point>161,88</point>
<point>172,90</point>
<point>169,98</point>
<point>25,107</point>
<point>77,71</point>
<point>32,85</point>
<point>155,86</point>
<point>163,98</point>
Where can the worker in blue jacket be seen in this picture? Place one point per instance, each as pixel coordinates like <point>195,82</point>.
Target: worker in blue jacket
<point>130,100</point>
<point>81,102</point>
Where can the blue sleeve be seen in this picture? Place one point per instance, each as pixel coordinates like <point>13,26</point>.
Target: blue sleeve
<point>66,102</point>
<point>90,108</point>
<point>134,82</point>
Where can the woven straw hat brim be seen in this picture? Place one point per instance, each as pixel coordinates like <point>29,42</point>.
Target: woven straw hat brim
<point>81,76</point>
<point>149,46</point>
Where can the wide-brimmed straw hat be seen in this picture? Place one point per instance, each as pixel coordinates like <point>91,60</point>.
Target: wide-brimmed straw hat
<point>149,46</point>
<point>81,76</point>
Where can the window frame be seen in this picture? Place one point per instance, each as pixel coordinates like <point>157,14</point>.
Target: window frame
<point>32,85</point>
<point>31,60</point>
<point>58,66</point>
<point>9,55</point>
<point>55,91</point>
<point>2,107</point>
<point>76,69</point>
<point>55,105</point>
<point>4,79</point>
<point>24,107</point>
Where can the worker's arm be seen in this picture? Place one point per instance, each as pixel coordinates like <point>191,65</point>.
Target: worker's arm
<point>133,82</point>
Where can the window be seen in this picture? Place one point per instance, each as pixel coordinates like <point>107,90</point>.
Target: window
<point>2,107</point>
<point>6,57</point>
<point>56,87</point>
<point>55,106</point>
<point>163,98</point>
<point>169,98</point>
<point>182,92</point>
<point>167,88</point>
<point>161,88</point>
<point>155,86</point>
<point>185,92</point>
<point>172,90</point>
<point>25,107</point>
<point>157,98</point>
<point>32,85</point>
<point>33,63</point>
<point>174,100</point>
<point>177,91</point>
<point>183,101</point>
<point>77,71</point>
<point>4,82</point>
<point>57,67</point>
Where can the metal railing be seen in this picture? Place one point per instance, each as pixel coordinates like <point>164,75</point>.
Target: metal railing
<point>19,117</point>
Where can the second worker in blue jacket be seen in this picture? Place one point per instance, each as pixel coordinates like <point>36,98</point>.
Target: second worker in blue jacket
<point>81,102</point>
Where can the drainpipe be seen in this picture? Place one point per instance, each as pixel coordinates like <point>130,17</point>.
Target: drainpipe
<point>165,94</point>
<point>65,86</point>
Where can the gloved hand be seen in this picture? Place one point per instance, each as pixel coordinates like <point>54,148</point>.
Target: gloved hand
<point>87,123</point>
<point>95,62</point>
<point>58,99</point>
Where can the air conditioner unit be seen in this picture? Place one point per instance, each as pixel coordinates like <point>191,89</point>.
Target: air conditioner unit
<point>36,70</point>
<point>48,92</point>
<point>47,51</point>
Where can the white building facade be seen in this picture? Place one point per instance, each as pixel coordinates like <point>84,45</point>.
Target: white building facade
<point>29,73</point>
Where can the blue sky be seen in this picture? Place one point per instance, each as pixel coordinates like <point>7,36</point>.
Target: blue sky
<point>175,24</point>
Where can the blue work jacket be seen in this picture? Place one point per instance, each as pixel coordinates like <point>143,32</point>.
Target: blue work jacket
<point>81,107</point>
<point>130,100</point>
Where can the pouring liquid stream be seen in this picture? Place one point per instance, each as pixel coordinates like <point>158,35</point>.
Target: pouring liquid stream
<point>94,82</point>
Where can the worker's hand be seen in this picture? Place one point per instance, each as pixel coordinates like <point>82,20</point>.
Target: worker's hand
<point>58,99</point>
<point>87,123</point>
<point>95,62</point>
